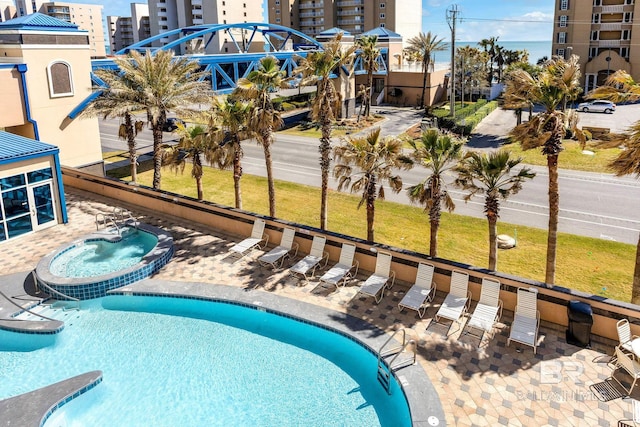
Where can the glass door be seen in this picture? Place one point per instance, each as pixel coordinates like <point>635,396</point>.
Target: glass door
<point>43,211</point>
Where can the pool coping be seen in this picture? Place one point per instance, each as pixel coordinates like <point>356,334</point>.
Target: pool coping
<point>35,407</point>
<point>424,402</point>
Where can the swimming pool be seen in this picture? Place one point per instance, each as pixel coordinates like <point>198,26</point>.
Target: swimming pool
<point>95,257</point>
<point>207,363</point>
<point>91,266</point>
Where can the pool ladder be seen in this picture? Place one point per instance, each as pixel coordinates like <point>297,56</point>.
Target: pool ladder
<point>119,215</point>
<point>386,369</point>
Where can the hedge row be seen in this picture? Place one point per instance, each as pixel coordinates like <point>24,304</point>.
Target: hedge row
<point>465,125</point>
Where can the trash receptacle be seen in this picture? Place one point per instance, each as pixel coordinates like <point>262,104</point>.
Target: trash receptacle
<point>580,323</point>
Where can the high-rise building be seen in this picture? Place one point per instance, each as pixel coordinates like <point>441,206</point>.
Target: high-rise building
<point>86,16</point>
<point>165,15</point>
<point>7,10</point>
<point>355,16</point>
<point>126,30</point>
<point>602,33</point>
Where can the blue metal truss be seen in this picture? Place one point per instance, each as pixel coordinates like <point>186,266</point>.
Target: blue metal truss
<point>224,70</point>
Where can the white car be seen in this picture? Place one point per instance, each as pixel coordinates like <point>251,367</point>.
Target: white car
<point>597,106</point>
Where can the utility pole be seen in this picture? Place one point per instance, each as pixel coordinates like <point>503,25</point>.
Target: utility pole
<point>452,16</point>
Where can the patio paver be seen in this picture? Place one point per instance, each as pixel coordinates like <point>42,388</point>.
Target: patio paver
<point>490,384</point>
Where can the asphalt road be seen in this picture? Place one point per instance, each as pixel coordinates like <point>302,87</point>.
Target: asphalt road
<point>592,204</point>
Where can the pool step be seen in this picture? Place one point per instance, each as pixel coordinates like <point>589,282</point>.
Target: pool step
<point>48,310</point>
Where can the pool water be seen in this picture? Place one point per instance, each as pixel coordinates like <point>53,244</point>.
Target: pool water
<point>223,365</point>
<point>98,257</point>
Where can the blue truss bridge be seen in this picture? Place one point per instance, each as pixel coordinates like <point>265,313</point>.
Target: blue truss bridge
<point>249,41</point>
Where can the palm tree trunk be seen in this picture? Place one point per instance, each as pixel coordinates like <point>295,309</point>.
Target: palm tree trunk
<point>554,207</point>
<point>434,222</point>
<point>157,154</point>
<point>131,142</point>
<point>493,240</point>
<point>367,108</point>
<point>197,165</point>
<point>425,66</point>
<point>237,173</point>
<point>325,163</point>
<point>371,208</point>
<point>635,290</point>
<point>266,146</point>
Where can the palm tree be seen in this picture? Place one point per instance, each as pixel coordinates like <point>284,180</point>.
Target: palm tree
<point>489,46</point>
<point>439,153</point>
<point>194,143</point>
<point>227,123</point>
<point>558,80</point>
<point>162,83</point>
<point>364,163</point>
<point>316,69</point>
<point>264,119</point>
<point>369,54</point>
<point>620,87</point>
<point>424,45</point>
<point>494,176</point>
<point>118,98</point>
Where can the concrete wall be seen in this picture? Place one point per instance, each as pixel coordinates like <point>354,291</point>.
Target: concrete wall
<point>552,302</point>
<point>12,111</point>
<point>78,140</point>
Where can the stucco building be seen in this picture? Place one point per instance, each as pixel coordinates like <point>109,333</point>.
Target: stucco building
<point>601,33</point>
<point>87,17</point>
<point>45,68</point>
<point>123,31</point>
<point>165,15</point>
<point>355,16</point>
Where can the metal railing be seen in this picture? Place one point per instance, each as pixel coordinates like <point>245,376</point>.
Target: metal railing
<point>385,369</point>
<point>40,283</point>
<point>25,309</point>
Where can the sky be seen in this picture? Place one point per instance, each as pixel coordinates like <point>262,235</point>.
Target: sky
<point>509,20</point>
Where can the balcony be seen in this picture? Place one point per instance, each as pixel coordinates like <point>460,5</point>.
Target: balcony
<point>351,3</point>
<point>311,5</point>
<point>610,26</point>
<point>196,2</point>
<point>609,43</point>
<point>309,23</point>
<point>616,8</point>
<point>350,12</point>
<point>350,21</point>
<point>197,21</point>
<point>311,14</point>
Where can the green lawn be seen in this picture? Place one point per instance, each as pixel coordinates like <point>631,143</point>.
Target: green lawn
<point>592,265</point>
<point>571,157</point>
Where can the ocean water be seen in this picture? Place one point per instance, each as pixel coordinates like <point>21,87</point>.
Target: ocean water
<point>536,49</point>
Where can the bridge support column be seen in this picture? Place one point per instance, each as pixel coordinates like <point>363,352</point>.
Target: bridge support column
<point>346,86</point>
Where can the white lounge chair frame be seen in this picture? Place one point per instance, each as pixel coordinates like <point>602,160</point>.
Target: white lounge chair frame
<point>489,308</point>
<point>422,292</point>
<point>257,237</point>
<point>628,363</point>
<point>526,319</point>
<point>457,301</point>
<point>309,263</point>
<point>624,335</point>
<point>345,269</point>
<point>286,249</point>
<point>383,278</point>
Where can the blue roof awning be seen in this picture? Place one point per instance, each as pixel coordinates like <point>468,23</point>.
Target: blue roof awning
<point>14,148</point>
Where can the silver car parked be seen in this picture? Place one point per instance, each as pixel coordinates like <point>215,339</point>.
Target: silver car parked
<point>597,106</point>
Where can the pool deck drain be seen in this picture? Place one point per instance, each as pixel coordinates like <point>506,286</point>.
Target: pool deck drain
<point>479,383</point>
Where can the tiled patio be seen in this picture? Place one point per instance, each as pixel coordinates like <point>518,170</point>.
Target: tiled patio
<point>480,384</point>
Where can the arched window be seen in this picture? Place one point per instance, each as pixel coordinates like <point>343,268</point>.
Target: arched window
<point>60,81</point>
